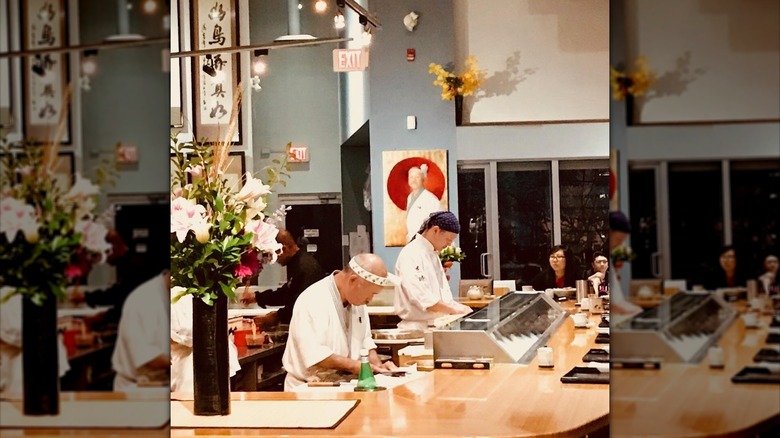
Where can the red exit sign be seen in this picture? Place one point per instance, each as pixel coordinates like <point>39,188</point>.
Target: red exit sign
<point>298,154</point>
<point>350,60</point>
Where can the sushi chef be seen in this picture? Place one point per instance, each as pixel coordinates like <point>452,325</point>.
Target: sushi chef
<point>424,293</point>
<point>330,324</point>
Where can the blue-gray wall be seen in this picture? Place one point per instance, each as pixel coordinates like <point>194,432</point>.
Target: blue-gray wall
<point>400,88</point>
<point>299,101</point>
<point>129,98</point>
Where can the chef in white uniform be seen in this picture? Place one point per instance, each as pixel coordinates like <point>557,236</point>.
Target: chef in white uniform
<point>330,324</point>
<point>11,370</point>
<point>424,293</point>
<point>420,203</point>
<point>182,377</point>
<point>142,350</point>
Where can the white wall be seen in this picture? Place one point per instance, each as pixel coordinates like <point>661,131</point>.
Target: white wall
<point>546,59</point>
<point>715,59</point>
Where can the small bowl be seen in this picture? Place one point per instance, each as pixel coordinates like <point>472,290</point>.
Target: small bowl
<point>85,340</point>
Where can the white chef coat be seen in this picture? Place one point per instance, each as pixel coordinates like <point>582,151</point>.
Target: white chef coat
<point>142,328</point>
<point>423,284</point>
<point>11,377</point>
<point>317,331</point>
<point>182,378</point>
<point>416,213</point>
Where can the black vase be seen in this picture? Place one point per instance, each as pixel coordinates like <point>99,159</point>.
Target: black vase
<point>210,356</point>
<point>40,375</point>
<point>458,110</point>
<point>629,109</point>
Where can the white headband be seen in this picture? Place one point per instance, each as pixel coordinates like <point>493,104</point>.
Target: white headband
<point>391,279</point>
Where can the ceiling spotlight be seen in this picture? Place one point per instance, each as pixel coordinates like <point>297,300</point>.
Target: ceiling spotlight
<point>89,63</point>
<point>300,6</point>
<point>260,66</point>
<point>365,38</point>
<point>338,21</point>
<point>321,6</point>
<point>150,6</point>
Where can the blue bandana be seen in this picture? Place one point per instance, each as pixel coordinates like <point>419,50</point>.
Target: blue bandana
<point>442,219</point>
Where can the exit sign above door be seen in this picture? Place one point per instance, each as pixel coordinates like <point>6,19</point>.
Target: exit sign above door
<point>350,60</point>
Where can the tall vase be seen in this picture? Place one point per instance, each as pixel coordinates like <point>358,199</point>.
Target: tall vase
<point>458,110</point>
<point>210,356</point>
<point>629,109</point>
<point>40,354</point>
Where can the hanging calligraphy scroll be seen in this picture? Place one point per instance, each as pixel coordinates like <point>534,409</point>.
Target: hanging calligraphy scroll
<point>215,76</point>
<point>45,74</point>
<point>7,122</point>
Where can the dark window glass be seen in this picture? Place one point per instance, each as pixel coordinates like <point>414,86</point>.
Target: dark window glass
<point>524,219</point>
<point>696,219</point>
<point>584,210</point>
<point>755,208</point>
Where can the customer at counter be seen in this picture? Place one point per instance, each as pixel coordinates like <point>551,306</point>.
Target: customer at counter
<point>726,274</point>
<point>424,293</point>
<point>598,274</point>
<point>142,351</point>
<point>330,324</point>
<point>562,271</point>
<point>182,374</point>
<point>303,270</point>
<point>769,280</point>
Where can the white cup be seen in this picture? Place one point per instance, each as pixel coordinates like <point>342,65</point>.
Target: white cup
<point>715,357</point>
<point>757,304</point>
<point>595,305</point>
<point>751,319</point>
<point>527,288</point>
<point>545,356</point>
<point>428,339</point>
<point>550,293</point>
<point>585,304</point>
<point>580,319</point>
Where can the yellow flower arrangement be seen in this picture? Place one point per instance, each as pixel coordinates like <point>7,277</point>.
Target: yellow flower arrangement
<point>463,84</point>
<point>634,83</point>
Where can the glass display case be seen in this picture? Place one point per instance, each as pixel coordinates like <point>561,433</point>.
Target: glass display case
<point>508,330</point>
<point>680,329</point>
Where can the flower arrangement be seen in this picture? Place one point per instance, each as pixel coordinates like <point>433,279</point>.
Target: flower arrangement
<point>219,236</point>
<point>463,84</point>
<point>451,254</point>
<point>45,227</point>
<point>622,254</point>
<point>634,83</point>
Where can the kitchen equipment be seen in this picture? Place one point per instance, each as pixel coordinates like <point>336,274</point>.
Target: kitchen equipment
<point>507,330</point>
<point>680,329</point>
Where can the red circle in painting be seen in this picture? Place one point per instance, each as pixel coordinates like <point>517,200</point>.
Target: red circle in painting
<point>398,180</point>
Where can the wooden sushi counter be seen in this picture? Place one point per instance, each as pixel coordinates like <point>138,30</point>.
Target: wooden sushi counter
<point>507,400</point>
<point>694,400</point>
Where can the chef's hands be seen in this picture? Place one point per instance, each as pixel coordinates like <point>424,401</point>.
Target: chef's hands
<point>386,367</point>
<point>248,297</point>
<point>461,309</point>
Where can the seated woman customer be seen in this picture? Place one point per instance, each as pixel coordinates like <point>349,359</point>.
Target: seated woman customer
<point>727,273</point>
<point>562,270</point>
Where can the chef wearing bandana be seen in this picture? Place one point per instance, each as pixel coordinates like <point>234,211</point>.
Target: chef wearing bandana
<point>330,324</point>
<point>424,293</point>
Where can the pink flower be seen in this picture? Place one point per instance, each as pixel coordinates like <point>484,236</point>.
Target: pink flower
<point>186,215</point>
<point>242,271</point>
<point>72,271</point>
<point>93,236</point>
<point>252,189</point>
<point>264,237</point>
<point>15,215</point>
